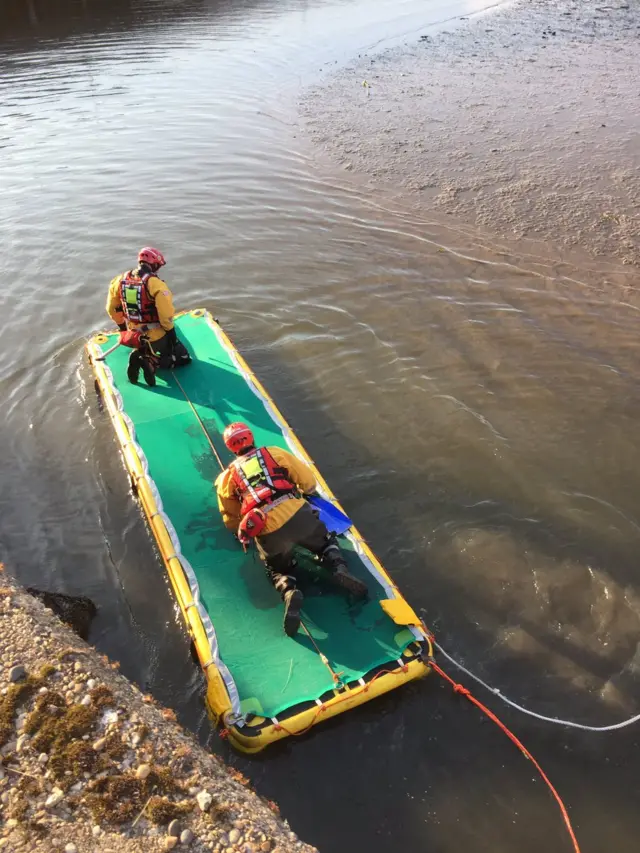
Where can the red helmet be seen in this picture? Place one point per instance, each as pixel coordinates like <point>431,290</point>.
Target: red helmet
<point>151,256</point>
<point>237,436</point>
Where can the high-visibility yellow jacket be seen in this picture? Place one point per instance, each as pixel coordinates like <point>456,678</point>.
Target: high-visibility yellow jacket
<point>160,294</point>
<point>298,473</point>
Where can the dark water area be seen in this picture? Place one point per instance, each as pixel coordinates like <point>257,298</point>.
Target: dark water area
<point>475,407</point>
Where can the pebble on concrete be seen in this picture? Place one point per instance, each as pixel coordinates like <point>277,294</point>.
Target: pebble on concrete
<point>204,800</point>
<point>186,837</point>
<point>17,673</point>
<point>143,771</point>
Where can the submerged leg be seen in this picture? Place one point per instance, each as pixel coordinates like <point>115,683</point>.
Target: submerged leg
<point>333,560</point>
<point>317,539</point>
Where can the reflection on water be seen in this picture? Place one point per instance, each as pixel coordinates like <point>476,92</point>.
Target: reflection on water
<point>474,408</point>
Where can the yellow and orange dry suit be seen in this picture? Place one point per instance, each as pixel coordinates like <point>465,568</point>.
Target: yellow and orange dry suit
<point>161,296</point>
<point>298,473</point>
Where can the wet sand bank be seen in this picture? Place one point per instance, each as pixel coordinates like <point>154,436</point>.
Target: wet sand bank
<point>524,120</point>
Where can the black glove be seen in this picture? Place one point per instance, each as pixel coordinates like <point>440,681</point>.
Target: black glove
<point>122,327</point>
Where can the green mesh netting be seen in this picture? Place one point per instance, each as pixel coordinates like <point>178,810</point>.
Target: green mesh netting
<point>272,672</point>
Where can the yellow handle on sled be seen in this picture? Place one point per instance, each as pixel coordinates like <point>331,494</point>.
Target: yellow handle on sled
<point>400,611</point>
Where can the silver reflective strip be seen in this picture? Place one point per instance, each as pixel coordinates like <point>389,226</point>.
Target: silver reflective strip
<point>265,469</point>
<point>268,507</point>
<point>245,481</point>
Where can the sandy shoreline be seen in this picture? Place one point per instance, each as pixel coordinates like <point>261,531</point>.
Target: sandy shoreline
<point>524,121</point>
<point>90,765</point>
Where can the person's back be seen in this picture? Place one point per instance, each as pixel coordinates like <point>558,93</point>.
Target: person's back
<point>295,480</point>
<point>140,302</point>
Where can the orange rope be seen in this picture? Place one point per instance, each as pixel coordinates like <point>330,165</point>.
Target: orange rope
<point>459,688</point>
<point>463,691</point>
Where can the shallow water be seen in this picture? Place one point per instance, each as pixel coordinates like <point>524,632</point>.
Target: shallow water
<point>474,407</point>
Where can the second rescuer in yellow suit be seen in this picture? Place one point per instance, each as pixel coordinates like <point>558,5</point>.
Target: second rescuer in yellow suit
<point>140,303</point>
<point>159,293</point>
<point>266,486</point>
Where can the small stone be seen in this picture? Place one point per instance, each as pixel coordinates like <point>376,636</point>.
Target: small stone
<point>135,740</point>
<point>143,771</point>
<point>4,797</point>
<point>22,743</point>
<point>75,789</point>
<point>99,744</point>
<point>70,848</point>
<point>43,690</point>
<point>170,842</point>
<point>17,673</point>
<point>78,687</point>
<point>92,683</point>
<point>96,831</point>
<point>1,772</point>
<point>11,823</point>
<point>77,666</point>
<point>86,700</point>
<point>21,720</point>
<point>234,836</point>
<point>204,800</point>
<point>265,847</point>
<point>174,829</point>
<point>42,759</point>
<point>54,798</point>
<point>186,837</point>
<point>8,748</point>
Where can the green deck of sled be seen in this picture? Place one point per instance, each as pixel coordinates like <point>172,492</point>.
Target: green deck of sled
<point>272,672</point>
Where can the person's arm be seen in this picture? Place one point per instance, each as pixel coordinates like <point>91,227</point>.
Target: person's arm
<point>161,295</point>
<point>228,503</point>
<point>114,305</point>
<point>299,471</point>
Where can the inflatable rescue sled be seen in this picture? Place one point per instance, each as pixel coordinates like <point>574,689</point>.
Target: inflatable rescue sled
<point>261,684</point>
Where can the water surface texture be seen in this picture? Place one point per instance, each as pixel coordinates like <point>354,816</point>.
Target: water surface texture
<point>475,408</point>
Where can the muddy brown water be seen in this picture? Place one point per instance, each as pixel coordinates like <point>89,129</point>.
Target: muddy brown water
<point>474,406</point>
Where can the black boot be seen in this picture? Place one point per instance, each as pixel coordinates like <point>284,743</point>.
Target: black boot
<point>351,584</point>
<point>333,560</point>
<point>133,370</point>
<point>292,605</point>
<point>148,371</point>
